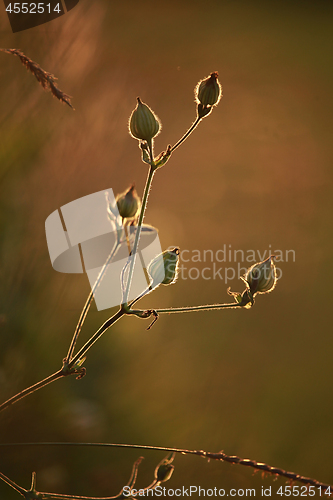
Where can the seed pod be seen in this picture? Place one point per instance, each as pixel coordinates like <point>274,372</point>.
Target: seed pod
<point>163,268</point>
<point>128,203</point>
<point>164,472</point>
<point>143,123</point>
<point>261,277</point>
<point>208,92</point>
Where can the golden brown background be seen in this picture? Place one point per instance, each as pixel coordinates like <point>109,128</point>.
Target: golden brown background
<point>256,383</point>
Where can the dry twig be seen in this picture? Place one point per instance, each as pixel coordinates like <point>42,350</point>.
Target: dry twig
<point>47,80</point>
<point>221,456</point>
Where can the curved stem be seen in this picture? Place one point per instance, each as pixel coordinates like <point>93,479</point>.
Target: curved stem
<point>198,308</point>
<point>32,389</point>
<point>185,136</point>
<point>89,301</point>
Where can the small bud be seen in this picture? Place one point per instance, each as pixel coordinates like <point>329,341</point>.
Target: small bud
<point>164,470</point>
<point>128,203</point>
<point>143,123</point>
<point>208,92</point>
<point>164,268</point>
<point>261,277</point>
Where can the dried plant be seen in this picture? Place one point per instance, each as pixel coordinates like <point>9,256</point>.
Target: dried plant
<point>47,80</point>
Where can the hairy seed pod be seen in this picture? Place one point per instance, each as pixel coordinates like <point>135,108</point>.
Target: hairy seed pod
<point>261,277</point>
<point>208,92</point>
<point>164,472</point>
<point>143,123</point>
<point>128,203</point>
<point>164,268</point>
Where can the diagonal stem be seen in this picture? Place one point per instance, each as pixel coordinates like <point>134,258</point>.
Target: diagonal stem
<point>31,389</point>
<point>111,321</point>
<point>185,136</point>
<point>11,483</point>
<point>89,301</point>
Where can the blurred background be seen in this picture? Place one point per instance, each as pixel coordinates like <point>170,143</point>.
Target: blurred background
<point>255,175</point>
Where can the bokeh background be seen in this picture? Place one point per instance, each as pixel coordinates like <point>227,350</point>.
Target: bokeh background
<point>256,383</point>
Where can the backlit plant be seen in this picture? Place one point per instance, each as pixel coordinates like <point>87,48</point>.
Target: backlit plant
<point>127,217</point>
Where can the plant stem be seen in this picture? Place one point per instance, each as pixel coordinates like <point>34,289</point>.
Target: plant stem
<point>89,301</point>
<point>185,136</point>
<point>143,294</point>
<point>61,496</point>
<point>70,361</point>
<point>138,231</point>
<point>223,457</point>
<point>32,388</point>
<point>111,321</point>
<point>68,366</point>
<point>145,198</point>
<point>11,483</point>
<point>197,308</point>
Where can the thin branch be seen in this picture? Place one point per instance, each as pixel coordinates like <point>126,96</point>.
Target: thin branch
<point>87,305</point>
<point>140,221</point>
<point>223,457</point>
<point>208,307</point>
<point>11,483</point>
<point>79,355</point>
<point>185,136</point>
<point>32,493</point>
<point>32,389</point>
<point>47,80</point>
<point>71,368</point>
